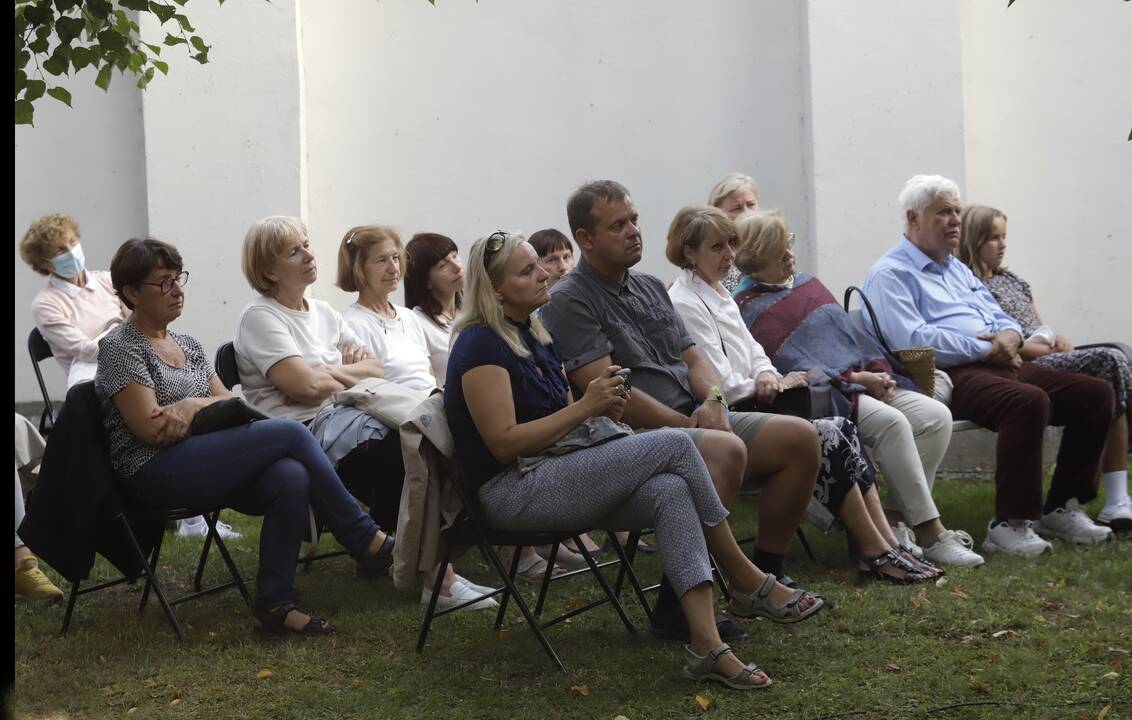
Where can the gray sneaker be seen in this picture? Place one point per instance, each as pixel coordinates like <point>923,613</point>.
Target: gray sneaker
<point>1071,524</point>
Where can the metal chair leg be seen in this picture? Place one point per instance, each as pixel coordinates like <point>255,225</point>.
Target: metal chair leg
<point>604,585</point>
<point>198,577</point>
<point>512,591</point>
<point>515,557</point>
<point>151,579</point>
<point>547,576</point>
<point>626,571</point>
<point>154,555</point>
<point>431,611</point>
<point>806,546</point>
<point>236,577</point>
<point>70,606</point>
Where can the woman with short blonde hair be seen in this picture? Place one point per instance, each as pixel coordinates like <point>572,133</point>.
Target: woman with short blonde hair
<point>735,194</point>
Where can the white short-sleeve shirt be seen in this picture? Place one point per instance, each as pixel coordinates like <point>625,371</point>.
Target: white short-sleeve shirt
<point>269,332</point>
<point>398,343</point>
<point>439,341</point>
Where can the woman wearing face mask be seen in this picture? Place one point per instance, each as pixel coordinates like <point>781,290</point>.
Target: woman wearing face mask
<point>76,309</point>
<point>78,306</point>
<point>983,248</point>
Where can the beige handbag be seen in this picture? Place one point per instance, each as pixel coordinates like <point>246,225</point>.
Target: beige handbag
<point>918,363</point>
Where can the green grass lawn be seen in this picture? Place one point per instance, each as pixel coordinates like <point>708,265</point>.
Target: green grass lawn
<point>1046,638</point>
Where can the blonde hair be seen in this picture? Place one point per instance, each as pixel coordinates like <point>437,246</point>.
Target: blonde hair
<point>728,184</point>
<point>691,227</point>
<point>975,225</point>
<point>264,242</point>
<point>355,247</point>
<point>44,239</point>
<point>480,305</point>
<point>763,238</point>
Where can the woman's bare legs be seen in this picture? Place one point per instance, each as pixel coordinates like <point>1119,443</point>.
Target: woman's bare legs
<point>744,575</point>
<point>1116,446</point>
<point>699,608</point>
<point>785,457</point>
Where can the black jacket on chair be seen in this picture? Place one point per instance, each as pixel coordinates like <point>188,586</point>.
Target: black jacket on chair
<point>72,510</point>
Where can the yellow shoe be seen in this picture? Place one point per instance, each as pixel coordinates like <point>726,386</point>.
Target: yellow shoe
<point>32,584</point>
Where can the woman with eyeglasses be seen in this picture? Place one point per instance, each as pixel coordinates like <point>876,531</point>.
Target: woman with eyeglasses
<point>152,381</point>
<point>803,329</point>
<point>701,241</point>
<point>369,263</point>
<point>653,479</point>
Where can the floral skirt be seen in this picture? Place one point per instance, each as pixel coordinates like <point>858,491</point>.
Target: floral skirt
<point>1102,363</point>
<point>843,463</point>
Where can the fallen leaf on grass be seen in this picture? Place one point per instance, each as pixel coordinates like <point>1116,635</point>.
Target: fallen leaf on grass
<point>1000,633</point>
<point>620,717</point>
<point>892,667</point>
<point>131,711</point>
<point>1104,712</point>
<point>265,673</point>
<point>968,639</point>
<point>175,701</point>
<point>1110,675</point>
<point>941,581</point>
<point>583,690</point>
<point>961,594</point>
<point>151,683</point>
<point>571,604</point>
<point>1116,664</point>
<point>703,702</point>
<point>1117,649</point>
<point>920,598</point>
<point>504,632</point>
<point>1039,618</point>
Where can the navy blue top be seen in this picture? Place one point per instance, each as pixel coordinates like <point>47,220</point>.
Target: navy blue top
<point>535,394</point>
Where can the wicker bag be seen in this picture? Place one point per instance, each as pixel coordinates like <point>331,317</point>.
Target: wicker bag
<point>918,363</point>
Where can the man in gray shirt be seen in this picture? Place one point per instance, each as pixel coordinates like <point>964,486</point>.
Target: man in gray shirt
<point>604,314</point>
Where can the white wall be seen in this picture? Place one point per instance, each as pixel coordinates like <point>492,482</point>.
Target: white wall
<point>886,103</point>
<point>1047,111</point>
<point>464,118</point>
<point>223,148</point>
<point>89,161</point>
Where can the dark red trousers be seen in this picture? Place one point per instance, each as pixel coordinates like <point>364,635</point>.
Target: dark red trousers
<point>1018,405</point>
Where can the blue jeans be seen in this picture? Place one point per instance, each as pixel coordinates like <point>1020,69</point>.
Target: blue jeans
<point>273,468</point>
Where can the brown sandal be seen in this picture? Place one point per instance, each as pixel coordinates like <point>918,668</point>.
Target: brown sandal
<point>272,622</point>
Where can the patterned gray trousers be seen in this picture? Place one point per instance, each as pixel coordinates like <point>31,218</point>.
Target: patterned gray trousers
<point>656,479</point>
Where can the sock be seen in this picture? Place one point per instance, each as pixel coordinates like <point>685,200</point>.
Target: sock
<point>770,563</point>
<point>1115,487</point>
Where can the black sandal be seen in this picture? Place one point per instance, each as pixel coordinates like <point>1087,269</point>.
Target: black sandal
<point>378,564</point>
<point>271,621</point>
<point>893,558</point>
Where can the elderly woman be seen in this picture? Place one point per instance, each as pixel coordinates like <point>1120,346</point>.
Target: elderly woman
<point>76,309</point>
<point>434,286</point>
<point>655,479</point>
<point>701,242</point>
<point>734,194</point>
<point>369,263</point>
<point>151,383</point>
<point>293,353</point>
<point>983,247</point>
<point>802,328</point>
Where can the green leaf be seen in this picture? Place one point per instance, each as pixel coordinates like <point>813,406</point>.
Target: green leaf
<point>184,21</point>
<point>198,43</point>
<point>21,80</point>
<point>144,79</point>
<point>172,40</point>
<point>155,49</point>
<point>139,5</point>
<point>103,79</point>
<point>35,90</point>
<point>162,66</point>
<point>99,9</point>
<point>69,28</point>
<point>63,6</point>
<point>163,12</point>
<point>201,58</point>
<point>111,40</point>
<point>38,46</point>
<point>24,112</point>
<point>61,95</point>
<point>81,57</point>
<point>58,62</point>
<point>137,60</point>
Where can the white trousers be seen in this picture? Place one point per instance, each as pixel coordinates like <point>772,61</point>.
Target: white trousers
<point>908,438</point>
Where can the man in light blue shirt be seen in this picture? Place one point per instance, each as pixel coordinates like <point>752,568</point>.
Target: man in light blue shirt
<point>924,296</point>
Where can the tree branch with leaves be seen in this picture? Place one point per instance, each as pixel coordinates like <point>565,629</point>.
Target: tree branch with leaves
<point>55,38</point>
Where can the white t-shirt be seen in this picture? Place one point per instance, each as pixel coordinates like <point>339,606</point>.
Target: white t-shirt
<point>399,344</point>
<point>269,332</point>
<point>439,342</point>
<point>716,325</point>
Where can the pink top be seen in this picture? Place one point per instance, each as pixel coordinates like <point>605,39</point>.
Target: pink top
<point>71,318</point>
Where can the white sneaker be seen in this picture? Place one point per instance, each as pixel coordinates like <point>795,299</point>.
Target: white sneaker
<point>1015,540</point>
<point>459,593</point>
<point>1118,516</point>
<point>1071,524</point>
<point>197,527</point>
<point>907,539</point>
<point>479,589</point>
<point>954,548</point>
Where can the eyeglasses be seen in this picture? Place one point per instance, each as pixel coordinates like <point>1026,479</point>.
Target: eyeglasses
<point>166,285</point>
<point>492,245</point>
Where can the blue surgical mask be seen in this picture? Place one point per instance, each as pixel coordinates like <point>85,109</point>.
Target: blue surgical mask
<point>70,264</point>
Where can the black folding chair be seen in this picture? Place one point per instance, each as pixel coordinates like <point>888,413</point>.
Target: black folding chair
<point>39,351</point>
<point>472,529</point>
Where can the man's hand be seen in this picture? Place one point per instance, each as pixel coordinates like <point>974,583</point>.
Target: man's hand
<point>1004,348</point>
<point>711,416</point>
<point>1061,344</point>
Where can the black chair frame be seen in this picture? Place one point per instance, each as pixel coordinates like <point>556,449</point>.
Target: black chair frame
<point>149,569</point>
<point>39,351</point>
